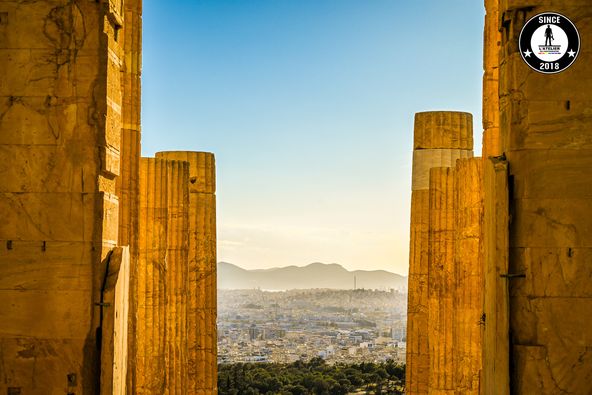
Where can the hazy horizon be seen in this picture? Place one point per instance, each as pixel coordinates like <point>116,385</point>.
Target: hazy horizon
<point>308,107</point>
<point>305,265</point>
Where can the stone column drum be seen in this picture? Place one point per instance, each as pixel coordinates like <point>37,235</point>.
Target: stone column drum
<point>496,355</point>
<point>441,281</point>
<point>127,185</point>
<point>468,285</point>
<point>440,138</point>
<point>177,280</point>
<point>150,291</point>
<point>492,141</point>
<point>201,319</point>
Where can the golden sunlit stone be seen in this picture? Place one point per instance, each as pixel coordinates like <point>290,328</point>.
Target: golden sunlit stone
<point>151,281</point>
<point>441,281</point>
<point>468,285</point>
<point>547,123</point>
<point>440,138</point>
<point>201,319</point>
<point>492,142</point>
<point>177,276</point>
<point>60,100</point>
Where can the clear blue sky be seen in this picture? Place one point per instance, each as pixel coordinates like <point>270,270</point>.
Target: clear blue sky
<point>308,106</point>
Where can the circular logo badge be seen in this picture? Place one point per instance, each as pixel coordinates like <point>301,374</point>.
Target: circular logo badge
<point>549,43</point>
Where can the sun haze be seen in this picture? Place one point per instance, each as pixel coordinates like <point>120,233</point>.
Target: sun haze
<point>308,107</point>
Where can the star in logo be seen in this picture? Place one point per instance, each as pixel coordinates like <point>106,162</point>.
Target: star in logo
<point>571,53</point>
<point>527,53</point>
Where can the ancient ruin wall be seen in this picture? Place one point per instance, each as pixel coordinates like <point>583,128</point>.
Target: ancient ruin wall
<point>492,141</point>
<point>127,185</point>
<point>59,145</point>
<point>440,138</point>
<point>549,129</point>
<point>496,355</point>
<point>202,335</point>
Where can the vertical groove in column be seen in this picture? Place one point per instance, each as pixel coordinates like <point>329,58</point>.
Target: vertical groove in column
<point>440,138</point>
<point>441,281</point>
<point>202,337</point>
<point>492,142</point>
<point>151,291</point>
<point>468,260</point>
<point>443,129</point>
<point>417,312</point>
<point>176,276</point>
<point>127,184</point>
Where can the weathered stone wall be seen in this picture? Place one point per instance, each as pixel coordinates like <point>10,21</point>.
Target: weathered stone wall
<point>492,141</point>
<point>468,275</point>
<point>441,281</point>
<point>115,298</point>
<point>496,353</point>
<point>202,335</point>
<point>127,185</point>
<point>59,151</point>
<point>549,130</point>
<point>440,138</point>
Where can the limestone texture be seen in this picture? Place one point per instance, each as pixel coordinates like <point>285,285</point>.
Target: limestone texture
<point>548,125</point>
<point>443,129</point>
<point>201,316</point>
<point>441,281</point>
<point>496,342</point>
<point>492,141</point>
<point>468,275</point>
<point>59,144</point>
<point>114,336</point>
<point>150,294</point>
<point>440,138</point>
<point>417,355</point>
<point>177,279</point>
<point>107,287</point>
<point>127,184</point>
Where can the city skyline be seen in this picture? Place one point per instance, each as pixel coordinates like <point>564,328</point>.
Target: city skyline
<point>308,108</point>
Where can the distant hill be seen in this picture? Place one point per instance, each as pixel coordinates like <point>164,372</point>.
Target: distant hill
<point>315,275</point>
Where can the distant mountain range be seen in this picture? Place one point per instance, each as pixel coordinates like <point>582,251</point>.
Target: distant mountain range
<point>315,275</point>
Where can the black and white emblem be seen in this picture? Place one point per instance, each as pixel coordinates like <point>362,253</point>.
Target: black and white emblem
<point>549,42</point>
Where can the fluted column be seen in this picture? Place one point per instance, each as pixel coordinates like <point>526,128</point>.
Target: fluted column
<point>496,327</point>
<point>492,141</point>
<point>468,286</point>
<point>177,276</point>
<point>440,138</point>
<point>151,278</point>
<point>127,185</point>
<point>202,337</point>
<point>441,279</point>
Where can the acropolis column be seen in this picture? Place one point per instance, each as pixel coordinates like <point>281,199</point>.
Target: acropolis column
<point>468,265</point>
<point>130,36</point>
<point>177,276</point>
<point>441,281</point>
<point>440,137</point>
<point>150,292</point>
<point>202,337</point>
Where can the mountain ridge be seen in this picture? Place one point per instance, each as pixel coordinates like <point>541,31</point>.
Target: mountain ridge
<point>313,275</point>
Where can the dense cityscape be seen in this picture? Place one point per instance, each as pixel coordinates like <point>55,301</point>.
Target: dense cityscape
<point>336,325</point>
